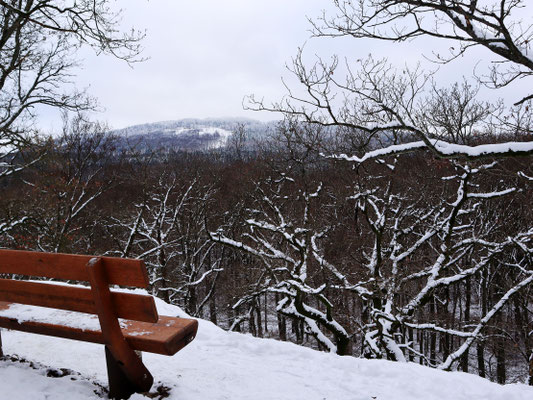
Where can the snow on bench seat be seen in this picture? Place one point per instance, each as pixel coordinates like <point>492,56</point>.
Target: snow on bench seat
<point>167,336</point>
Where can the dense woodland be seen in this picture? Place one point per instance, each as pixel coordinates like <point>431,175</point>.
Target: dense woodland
<point>408,257</point>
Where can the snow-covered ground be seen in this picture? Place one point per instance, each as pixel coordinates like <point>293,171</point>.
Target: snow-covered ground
<point>221,141</point>
<point>223,365</point>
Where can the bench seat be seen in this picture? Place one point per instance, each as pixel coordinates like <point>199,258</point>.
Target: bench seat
<point>166,336</point>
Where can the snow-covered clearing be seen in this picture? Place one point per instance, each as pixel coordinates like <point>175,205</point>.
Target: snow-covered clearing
<point>224,365</point>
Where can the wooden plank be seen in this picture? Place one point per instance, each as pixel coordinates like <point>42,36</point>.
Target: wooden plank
<point>167,336</point>
<point>119,271</point>
<point>73,298</point>
<point>132,376</point>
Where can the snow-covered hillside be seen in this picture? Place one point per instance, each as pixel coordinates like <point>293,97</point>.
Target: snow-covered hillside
<point>223,365</point>
<point>190,134</point>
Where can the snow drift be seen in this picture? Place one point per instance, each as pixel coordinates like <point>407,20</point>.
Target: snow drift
<point>226,365</point>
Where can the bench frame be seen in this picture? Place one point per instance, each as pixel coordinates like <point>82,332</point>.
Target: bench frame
<point>126,372</point>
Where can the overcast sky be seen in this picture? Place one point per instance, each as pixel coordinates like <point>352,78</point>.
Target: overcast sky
<point>206,55</point>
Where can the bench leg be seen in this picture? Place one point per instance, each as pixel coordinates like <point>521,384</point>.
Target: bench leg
<point>127,374</point>
<point>120,387</point>
<point>1,351</point>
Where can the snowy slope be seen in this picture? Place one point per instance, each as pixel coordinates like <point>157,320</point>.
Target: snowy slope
<point>223,365</point>
<point>190,134</point>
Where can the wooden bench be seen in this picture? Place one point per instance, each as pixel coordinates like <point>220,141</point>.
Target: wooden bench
<point>140,328</point>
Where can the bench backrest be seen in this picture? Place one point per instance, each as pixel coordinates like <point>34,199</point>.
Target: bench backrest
<point>119,271</point>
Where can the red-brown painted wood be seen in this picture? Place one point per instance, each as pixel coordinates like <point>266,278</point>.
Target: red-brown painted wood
<point>119,271</point>
<point>135,375</point>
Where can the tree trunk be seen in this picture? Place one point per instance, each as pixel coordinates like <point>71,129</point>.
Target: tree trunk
<point>444,314</point>
<point>237,327</point>
<point>282,327</point>
<point>522,333</point>
<point>421,343</point>
<point>265,313</point>
<point>343,345</point>
<point>481,360</point>
<point>297,330</point>
<point>530,381</point>
<point>481,345</point>
<point>468,299</point>
<point>213,308</point>
<point>432,336</point>
<point>501,376</point>
<point>190,307</point>
<point>411,341</point>
<point>282,322</point>
<point>259,324</point>
<point>251,321</point>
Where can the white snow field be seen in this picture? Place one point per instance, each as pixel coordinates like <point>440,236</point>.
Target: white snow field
<point>224,365</point>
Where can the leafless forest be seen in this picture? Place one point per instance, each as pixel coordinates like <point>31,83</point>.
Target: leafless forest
<point>411,258</point>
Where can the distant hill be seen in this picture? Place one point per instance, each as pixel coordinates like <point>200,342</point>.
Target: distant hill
<point>191,134</point>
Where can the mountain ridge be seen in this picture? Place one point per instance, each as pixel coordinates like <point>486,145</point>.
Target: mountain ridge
<point>191,134</point>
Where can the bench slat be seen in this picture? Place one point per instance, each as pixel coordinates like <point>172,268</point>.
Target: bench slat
<point>120,271</point>
<point>72,298</point>
<point>167,336</point>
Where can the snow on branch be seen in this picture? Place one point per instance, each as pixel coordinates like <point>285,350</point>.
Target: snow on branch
<point>445,150</point>
<point>447,364</point>
<point>529,178</point>
<point>435,328</point>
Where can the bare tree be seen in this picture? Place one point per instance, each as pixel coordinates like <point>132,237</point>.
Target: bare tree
<point>494,25</point>
<point>38,41</point>
<point>395,111</point>
<point>72,176</point>
<point>414,255</point>
<point>279,231</point>
<point>166,229</point>
<point>38,44</point>
<point>398,107</point>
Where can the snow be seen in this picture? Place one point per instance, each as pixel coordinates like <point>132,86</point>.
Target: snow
<point>228,365</point>
<point>23,313</point>
<point>20,382</point>
<point>223,134</point>
<point>445,149</point>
